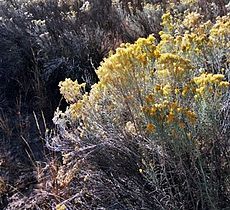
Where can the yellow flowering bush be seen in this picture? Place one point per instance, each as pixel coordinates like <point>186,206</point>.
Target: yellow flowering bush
<point>168,97</point>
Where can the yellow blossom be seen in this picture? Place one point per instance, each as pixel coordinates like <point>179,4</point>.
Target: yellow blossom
<point>167,90</point>
<point>191,116</point>
<point>153,110</point>
<point>61,207</point>
<point>150,127</point>
<point>174,105</point>
<point>177,91</point>
<point>218,77</point>
<point>224,84</point>
<point>75,109</point>
<point>181,125</point>
<point>200,90</point>
<point>185,90</point>
<point>191,19</point>
<point>71,90</point>
<point>149,98</point>
<point>170,117</point>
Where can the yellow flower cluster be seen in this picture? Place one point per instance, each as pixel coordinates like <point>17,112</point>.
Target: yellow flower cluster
<point>167,21</point>
<point>209,83</point>
<point>191,20</point>
<point>173,66</point>
<point>150,127</point>
<point>220,33</point>
<point>188,1</point>
<point>221,27</point>
<point>71,90</point>
<point>168,113</point>
<point>61,207</point>
<point>75,109</point>
<point>170,91</point>
<point>127,58</point>
<point>201,38</point>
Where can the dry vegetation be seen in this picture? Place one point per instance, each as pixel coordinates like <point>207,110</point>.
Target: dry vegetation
<point>139,125</point>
